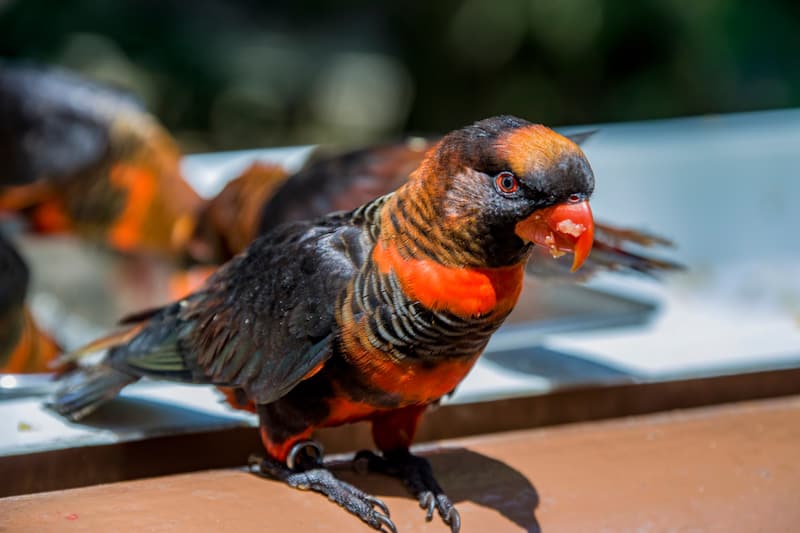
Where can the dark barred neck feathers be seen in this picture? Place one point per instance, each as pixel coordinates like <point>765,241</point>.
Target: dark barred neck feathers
<point>429,220</point>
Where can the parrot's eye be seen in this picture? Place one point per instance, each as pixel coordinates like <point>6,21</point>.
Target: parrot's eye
<point>506,182</point>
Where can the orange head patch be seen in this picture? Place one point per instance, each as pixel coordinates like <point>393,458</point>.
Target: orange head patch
<point>534,148</point>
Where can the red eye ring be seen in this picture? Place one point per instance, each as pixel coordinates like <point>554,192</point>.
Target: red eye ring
<point>506,182</point>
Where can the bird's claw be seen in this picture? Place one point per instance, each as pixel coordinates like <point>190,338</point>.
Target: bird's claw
<point>368,508</point>
<point>386,522</point>
<point>346,495</point>
<point>441,503</point>
<point>453,519</point>
<point>377,502</point>
<point>416,474</point>
<point>427,502</point>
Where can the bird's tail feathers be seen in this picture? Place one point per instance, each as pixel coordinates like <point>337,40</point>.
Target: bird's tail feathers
<point>112,340</point>
<point>84,390</point>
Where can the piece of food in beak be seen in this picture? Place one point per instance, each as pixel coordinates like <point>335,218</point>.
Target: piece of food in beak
<point>566,227</point>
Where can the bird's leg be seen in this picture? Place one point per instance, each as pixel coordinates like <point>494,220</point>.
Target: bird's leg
<point>304,470</point>
<point>416,473</point>
<point>393,433</point>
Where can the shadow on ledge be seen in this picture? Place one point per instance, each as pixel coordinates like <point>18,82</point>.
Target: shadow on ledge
<point>465,476</point>
<point>131,416</point>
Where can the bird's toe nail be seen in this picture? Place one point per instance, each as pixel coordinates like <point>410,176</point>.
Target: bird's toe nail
<point>454,519</point>
<point>429,504</point>
<point>377,502</point>
<point>385,522</point>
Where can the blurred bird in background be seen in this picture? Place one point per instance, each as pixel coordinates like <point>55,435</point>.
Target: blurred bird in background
<point>228,222</point>
<point>88,159</point>
<point>85,159</point>
<point>24,348</point>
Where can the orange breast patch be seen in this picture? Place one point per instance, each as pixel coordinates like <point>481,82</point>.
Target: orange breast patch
<point>465,292</point>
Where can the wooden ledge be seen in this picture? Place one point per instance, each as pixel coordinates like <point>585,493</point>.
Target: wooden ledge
<point>186,452</point>
<point>727,468</point>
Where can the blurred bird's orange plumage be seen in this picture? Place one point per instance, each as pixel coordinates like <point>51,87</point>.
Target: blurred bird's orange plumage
<point>33,350</point>
<point>112,177</point>
<point>229,221</point>
<point>24,347</point>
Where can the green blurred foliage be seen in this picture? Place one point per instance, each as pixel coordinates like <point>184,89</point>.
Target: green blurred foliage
<point>224,74</point>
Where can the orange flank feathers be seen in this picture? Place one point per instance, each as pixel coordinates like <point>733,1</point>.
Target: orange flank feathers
<point>415,382</point>
<point>466,292</point>
<point>392,429</point>
<point>343,410</point>
<point>237,401</point>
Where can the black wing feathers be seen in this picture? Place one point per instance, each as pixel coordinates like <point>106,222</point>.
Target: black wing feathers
<point>264,321</point>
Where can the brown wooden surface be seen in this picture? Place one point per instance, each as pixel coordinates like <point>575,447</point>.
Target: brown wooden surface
<point>89,465</point>
<point>729,468</point>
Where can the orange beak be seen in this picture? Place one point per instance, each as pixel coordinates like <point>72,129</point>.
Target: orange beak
<point>567,227</point>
